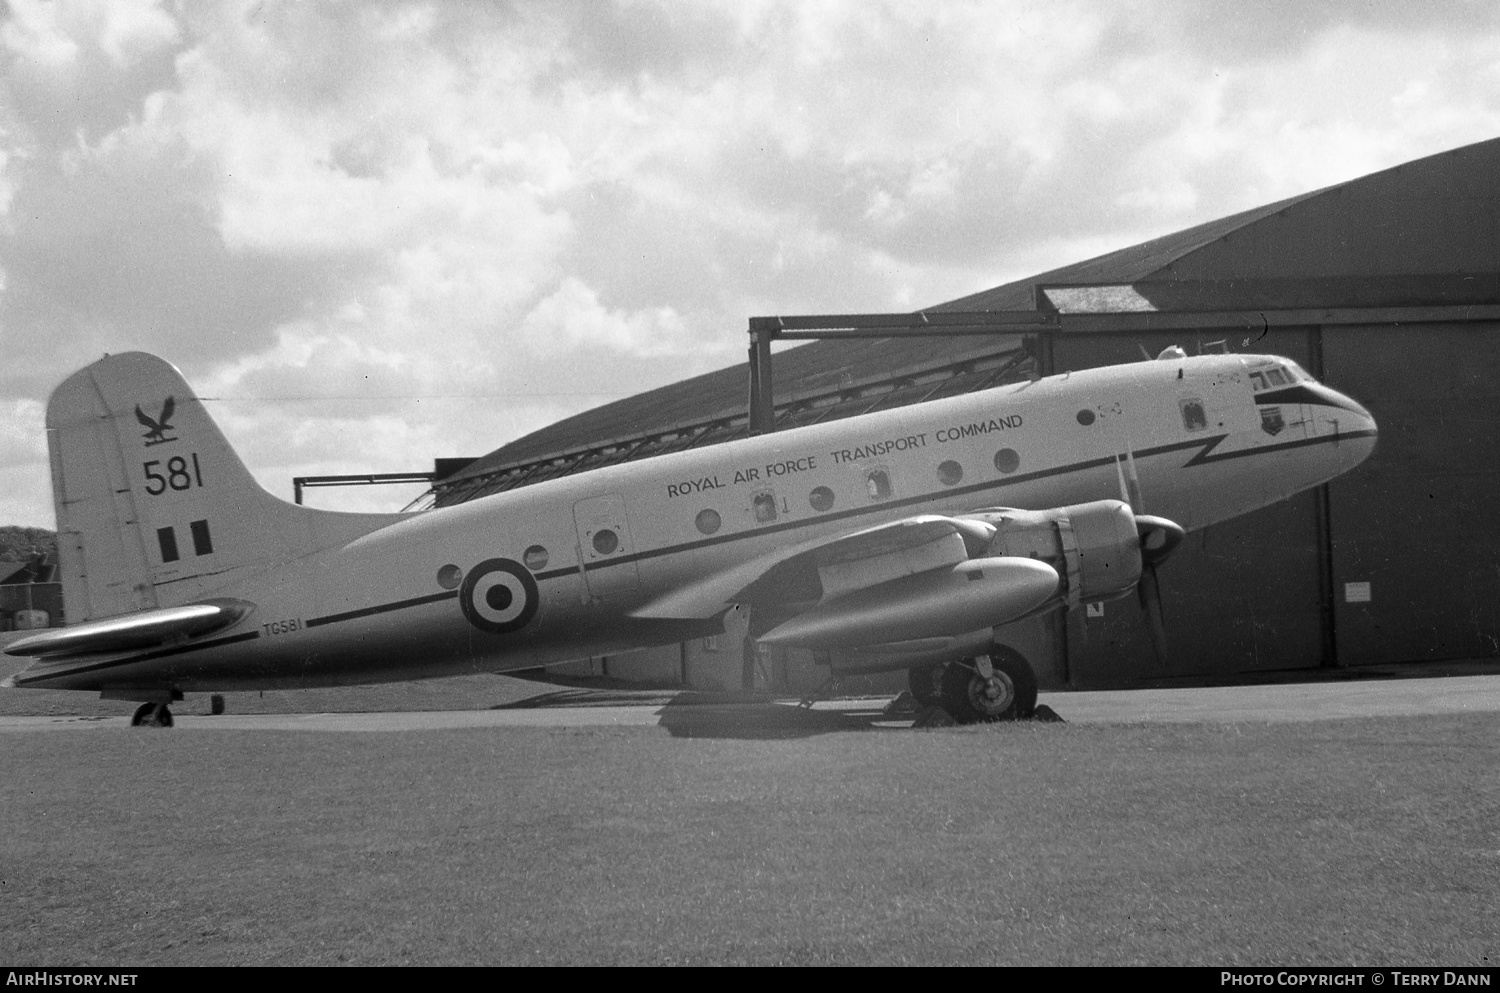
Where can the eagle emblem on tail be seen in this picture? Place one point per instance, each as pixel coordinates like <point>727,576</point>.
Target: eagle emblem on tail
<point>157,427</point>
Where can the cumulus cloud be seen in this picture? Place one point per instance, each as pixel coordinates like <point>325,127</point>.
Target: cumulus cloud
<point>383,232</point>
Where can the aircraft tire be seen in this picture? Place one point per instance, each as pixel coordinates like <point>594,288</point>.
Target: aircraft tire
<point>926,684</point>
<point>1009,695</point>
<point>152,715</point>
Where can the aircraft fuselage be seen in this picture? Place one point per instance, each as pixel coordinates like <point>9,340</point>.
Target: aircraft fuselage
<point>579,566</point>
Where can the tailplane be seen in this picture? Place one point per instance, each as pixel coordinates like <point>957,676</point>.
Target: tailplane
<point>154,509</point>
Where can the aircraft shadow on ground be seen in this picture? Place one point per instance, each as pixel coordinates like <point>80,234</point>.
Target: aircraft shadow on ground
<point>700,715</point>
<point>690,714</point>
<point>770,721</point>
<point>779,721</point>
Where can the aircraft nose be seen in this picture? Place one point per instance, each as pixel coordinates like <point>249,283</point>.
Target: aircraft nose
<point>1359,409</point>
<point>1360,423</point>
<point>1351,414</point>
<point>1367,418</point>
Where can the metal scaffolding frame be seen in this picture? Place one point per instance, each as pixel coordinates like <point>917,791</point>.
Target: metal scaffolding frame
<point>1041,325</point>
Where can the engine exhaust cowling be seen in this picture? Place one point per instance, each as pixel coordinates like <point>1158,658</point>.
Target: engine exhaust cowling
<point>1095,547</point>
<point>939,603</point>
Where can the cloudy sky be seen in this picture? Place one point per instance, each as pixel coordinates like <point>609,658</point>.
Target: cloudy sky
<point>382,232</point>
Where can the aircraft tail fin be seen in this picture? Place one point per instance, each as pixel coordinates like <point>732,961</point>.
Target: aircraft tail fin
<point>154,508</point>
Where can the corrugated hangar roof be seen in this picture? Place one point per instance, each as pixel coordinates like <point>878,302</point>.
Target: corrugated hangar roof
<point>1425,232</point>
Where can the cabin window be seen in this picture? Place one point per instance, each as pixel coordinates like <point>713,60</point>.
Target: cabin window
<point>605,541</point>
<point>535,558</point>
<point>950,473</point>
<point>1085,417</point>
<point>1007,461</point>
<point>821,498</point>
<point>1193,417</point>
<point>449,576</point>
<point>764,506</point>
<point>878,484</point>
<point>708,521</point>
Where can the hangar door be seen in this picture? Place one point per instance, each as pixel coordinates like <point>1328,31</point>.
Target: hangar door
<point>1416,535</point>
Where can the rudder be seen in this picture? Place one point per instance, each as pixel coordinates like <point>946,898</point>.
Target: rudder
<point>154,508</point>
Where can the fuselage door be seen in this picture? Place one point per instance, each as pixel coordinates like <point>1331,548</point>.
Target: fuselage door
<point>606,550</point>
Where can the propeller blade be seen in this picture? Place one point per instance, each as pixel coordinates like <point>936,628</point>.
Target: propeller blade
<point>1130,480</point>
<point>1149,591</point>
<point>1158,537</point>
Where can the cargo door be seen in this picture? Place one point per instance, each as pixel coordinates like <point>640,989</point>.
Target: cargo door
<point>606,550</point>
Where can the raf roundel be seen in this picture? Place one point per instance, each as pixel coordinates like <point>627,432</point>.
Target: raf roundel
<point>499,596</point>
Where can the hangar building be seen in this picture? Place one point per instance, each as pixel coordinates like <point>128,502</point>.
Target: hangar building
<point>1386,287</point>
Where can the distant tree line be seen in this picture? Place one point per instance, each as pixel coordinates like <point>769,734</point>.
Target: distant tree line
<point>17,544</point>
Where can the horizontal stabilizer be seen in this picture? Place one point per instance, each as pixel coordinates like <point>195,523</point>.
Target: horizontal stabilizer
<point>142,630</point>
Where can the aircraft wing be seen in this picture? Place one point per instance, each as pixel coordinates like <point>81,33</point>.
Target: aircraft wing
<point>918,578</point>
<point>133,631</point>
<point>923,576</point>
<point>896,545</point>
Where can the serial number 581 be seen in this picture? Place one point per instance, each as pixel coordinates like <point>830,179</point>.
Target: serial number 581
<point>178,475</point>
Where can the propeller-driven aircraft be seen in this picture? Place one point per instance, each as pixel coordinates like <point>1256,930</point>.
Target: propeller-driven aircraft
<point>894,540</point>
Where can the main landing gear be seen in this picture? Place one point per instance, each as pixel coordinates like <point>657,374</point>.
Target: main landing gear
<point>158,713</point>
<point>997,687</point>
<point>926,684</point>
<point>152,715</point>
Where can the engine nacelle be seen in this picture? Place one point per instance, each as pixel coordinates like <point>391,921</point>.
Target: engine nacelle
<point>1095,547</point>
<point>973,595</point>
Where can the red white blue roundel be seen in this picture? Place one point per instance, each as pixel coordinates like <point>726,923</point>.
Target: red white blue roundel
<point>498,595</point>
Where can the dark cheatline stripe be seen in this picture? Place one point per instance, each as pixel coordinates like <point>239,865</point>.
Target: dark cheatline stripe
<point>159,653</point>
<point>350,615</point>
<point>1314,393</point>
<point>1327,439</point>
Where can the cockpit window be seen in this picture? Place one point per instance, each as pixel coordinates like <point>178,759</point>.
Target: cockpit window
<point>1284,373</point>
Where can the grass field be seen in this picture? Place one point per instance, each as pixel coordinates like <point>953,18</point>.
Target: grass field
<point>1357,841</point>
